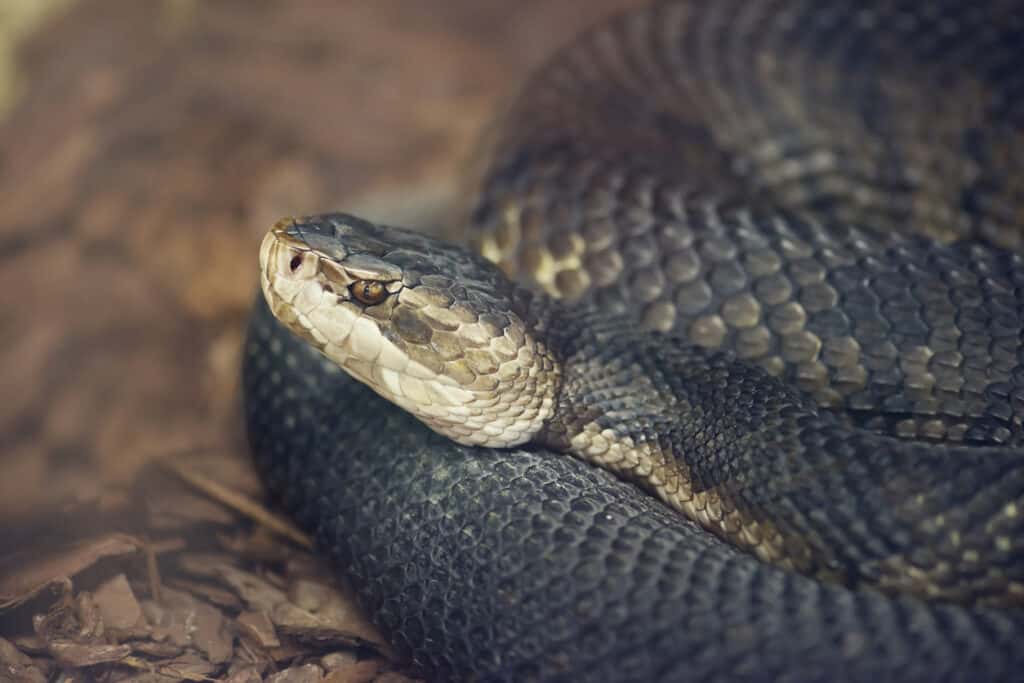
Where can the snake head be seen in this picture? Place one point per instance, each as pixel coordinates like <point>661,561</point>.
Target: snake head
<point>426,324</point>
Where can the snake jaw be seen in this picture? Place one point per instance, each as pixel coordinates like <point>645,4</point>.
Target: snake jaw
<point>407,316</point>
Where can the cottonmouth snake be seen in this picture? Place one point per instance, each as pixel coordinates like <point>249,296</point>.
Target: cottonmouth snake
<point>784,235</point>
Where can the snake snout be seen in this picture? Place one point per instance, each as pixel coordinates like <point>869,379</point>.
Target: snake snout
<point>284,256</point>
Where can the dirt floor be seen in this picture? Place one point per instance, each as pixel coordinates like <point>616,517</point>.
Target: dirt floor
<point>144,149</point>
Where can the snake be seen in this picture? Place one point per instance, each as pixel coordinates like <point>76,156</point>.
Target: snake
<point>720,377</point>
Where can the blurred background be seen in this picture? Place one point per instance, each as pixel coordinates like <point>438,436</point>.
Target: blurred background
<point>144,149</point>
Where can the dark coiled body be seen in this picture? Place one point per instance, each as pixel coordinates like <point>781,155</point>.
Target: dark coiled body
<point>646,169</point>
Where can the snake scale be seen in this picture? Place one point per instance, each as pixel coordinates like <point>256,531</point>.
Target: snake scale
<point>759,262</point>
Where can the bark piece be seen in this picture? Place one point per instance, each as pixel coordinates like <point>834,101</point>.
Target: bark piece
<point>70,653</point>
<point>307,673</point>
<point>258,627</point>
<point>17,666</point>
<point>346,667</point>
<point>23,578</point>
<point>117,606</point>
<point>211,634</point>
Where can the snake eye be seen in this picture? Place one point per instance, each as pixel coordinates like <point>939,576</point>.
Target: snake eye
<point>369,292</point>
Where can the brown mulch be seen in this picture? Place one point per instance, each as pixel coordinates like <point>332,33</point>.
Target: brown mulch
<point>150,147</point>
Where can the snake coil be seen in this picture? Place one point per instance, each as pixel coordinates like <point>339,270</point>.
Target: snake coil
<point>813,209</point>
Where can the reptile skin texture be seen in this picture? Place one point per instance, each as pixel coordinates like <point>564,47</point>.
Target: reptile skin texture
<point>520,565</point>
<point>830,193</point>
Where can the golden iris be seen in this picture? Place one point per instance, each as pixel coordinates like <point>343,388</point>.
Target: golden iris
<point>368,292</point>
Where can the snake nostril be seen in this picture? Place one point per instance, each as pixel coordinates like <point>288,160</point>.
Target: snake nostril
<point>327,288</point>
<point>295,263</point>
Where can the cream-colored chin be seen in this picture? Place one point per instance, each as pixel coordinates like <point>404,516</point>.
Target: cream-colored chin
<point>354,342</point>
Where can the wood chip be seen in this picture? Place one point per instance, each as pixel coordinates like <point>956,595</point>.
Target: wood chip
<point>332,661</point>
<point>259,545</point>
<point>169,625</point>
<point>309,595</point>
<point>258,627</point>
<point>70,653</point>
<point>240,503</point>
<point>22,578</point>
<point>119,609</point>
<point>187,622</point>
<point>155,649</point>
<point>16,666</point>
<point>205,564</point>
<point>74,634</point>
<point>210,633</point>
<point>188,664</point>
<point>144,677</point>
<point>257,593</point>
<point>33,645</point>
<point>90,623</point>
<point>187,667</point>
<point>288,652</point>
<point>312,628</point>
<point>179,509</point>
<point>215,594</point>
<point>308,673</point>
<point>345,667</point>
<point>247,675</point>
